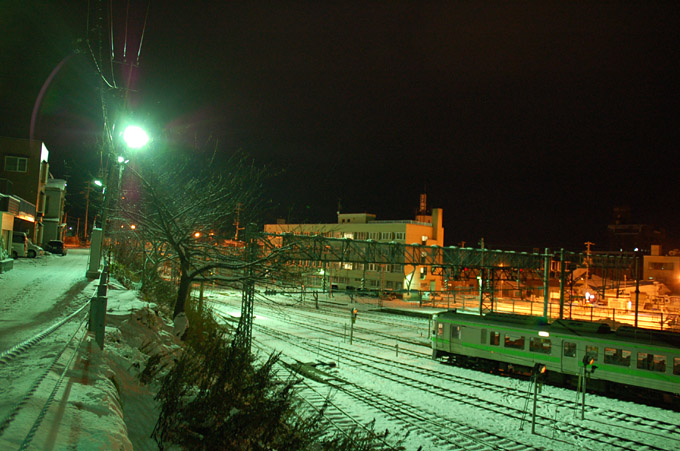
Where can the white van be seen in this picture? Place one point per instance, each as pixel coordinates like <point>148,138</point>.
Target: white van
<point>19,244</point>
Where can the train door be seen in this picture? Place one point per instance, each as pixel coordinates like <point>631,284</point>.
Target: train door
<point>569,358</point>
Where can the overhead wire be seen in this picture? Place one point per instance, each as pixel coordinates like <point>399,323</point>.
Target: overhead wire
<point>111,38</point>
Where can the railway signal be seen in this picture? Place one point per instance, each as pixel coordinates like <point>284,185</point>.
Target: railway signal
<point>538,373</point>
<point>353,312</point>
<point>583,376</point>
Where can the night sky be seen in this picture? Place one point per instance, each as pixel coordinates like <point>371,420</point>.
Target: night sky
<point>526,122</point>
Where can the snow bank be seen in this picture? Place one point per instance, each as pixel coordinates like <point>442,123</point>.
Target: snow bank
<point>105,399</point>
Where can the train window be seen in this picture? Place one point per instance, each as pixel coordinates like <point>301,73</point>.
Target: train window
<point>455,332</point>
<point>651,362</point>
<point>616,356</point>
<point>483,337</point>
<point>538,344</point>
<point>514,341</point>
<point>569,349</point>
<point>496,339</point>
<point>440,329</point>
<point>676,366</point>
<point>592,352</point>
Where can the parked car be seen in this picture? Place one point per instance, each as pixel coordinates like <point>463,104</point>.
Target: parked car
<point>55,247</point>
<point>19,245</point>
<point>34,250</point>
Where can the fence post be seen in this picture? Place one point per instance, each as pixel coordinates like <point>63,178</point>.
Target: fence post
<point>97,323</point>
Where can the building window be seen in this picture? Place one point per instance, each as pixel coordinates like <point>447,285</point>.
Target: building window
<point>661,266</point>
<point>615,356</point>
<point>16,164</point>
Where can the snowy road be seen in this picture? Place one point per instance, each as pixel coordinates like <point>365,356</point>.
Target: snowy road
<point>38,291</point>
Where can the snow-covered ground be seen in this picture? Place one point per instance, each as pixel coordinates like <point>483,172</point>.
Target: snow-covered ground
<point>390,358</point>
<point>63,392</point>
<point>95,400</point>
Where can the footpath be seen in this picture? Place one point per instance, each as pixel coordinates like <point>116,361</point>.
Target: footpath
<point>89,398</point>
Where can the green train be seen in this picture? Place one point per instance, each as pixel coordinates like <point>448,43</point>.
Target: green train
<point>615,361</point>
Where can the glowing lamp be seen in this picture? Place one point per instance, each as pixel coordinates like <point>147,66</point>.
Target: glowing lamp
<point>135,137</point>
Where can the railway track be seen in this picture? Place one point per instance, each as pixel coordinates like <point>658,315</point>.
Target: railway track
<point>619,419</point>
<point>444,432</point>
<point>403,373</point>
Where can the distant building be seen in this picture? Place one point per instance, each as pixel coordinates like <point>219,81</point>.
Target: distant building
<point>623,234</point>
<point>426,229</point>
<point>663,268</point>
<point>24,171</point>
<point>53,224</point>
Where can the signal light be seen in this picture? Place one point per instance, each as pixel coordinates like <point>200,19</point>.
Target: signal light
<point>539,368</point>
<point>588,360</point>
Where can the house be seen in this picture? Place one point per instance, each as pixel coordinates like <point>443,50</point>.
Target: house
<point>24,171</point>
<point>425,229</point>
<point>55,195</point>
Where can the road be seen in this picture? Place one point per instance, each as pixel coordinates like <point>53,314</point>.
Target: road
<point>39,291</point>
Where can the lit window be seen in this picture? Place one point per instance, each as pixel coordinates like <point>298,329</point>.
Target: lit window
<point>651,362</point>
<point>592,352</point>
<point>569,349</point>
<point>495,339</point>
<point>615,356</point>
<point>542,345</point>
<point>16,164</point>
<point>661,266</point>
<point>514,341</point>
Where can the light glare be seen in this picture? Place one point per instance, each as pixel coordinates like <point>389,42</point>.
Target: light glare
<point>135,137</point>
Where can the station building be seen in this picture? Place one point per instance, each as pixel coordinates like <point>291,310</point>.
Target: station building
<point>425,229</point>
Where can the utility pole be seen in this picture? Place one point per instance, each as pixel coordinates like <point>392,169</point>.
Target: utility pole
<point>244,329</point>
<point>588,260</point>
<point>87,207</point>
<point>237,220</point>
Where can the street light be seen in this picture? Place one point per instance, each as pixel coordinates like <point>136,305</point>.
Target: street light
<point>135,137</point>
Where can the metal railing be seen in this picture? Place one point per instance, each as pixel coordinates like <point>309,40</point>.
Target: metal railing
<point>647,319</point>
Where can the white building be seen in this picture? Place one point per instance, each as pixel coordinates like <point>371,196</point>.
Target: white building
<point>426,229</point>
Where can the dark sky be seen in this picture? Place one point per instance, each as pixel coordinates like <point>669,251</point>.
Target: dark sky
<point>526,122</point>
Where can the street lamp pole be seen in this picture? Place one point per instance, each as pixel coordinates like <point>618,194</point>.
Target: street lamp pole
<point>135,138</point>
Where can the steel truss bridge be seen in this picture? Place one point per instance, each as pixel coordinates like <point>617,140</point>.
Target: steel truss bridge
<point>485,265</point>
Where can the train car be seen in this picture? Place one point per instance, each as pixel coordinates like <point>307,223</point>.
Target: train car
<point>503,343</point>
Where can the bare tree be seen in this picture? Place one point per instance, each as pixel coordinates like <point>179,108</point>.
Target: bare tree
<point>187,206</point>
